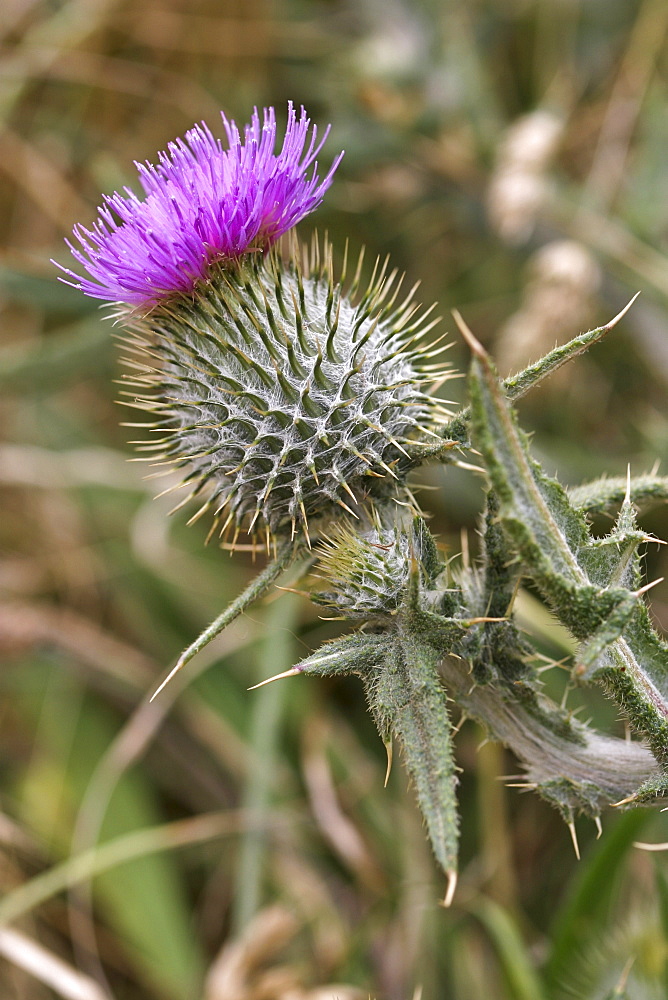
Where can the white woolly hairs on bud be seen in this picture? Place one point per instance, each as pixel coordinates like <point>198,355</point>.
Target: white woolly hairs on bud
<point>285,398</point>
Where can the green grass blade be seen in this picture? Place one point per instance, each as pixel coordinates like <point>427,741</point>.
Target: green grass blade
<point>586,908</point>
<point>518,967</point>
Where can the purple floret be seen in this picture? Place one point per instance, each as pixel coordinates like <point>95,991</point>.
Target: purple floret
<point>203,204</point>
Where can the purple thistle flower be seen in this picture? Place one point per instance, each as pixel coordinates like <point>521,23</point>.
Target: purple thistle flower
<point>203,204</point>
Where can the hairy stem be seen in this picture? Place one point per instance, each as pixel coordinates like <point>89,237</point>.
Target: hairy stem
<point>611,768</point>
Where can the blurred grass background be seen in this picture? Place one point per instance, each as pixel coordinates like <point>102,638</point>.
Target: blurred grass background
<point>511,154</point>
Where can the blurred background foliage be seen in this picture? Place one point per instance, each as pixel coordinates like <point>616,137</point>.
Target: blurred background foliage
<point>510,154</point>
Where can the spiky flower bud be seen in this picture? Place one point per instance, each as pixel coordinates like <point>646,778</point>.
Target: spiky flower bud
<point>285,398</point>
<point>365,571</point>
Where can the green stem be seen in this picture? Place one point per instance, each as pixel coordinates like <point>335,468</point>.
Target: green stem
<point>608,768</point>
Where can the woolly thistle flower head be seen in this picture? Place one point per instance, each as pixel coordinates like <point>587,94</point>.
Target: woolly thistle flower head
<point>284,397</point>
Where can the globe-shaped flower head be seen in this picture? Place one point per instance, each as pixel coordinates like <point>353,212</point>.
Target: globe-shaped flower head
<point>284,397</point>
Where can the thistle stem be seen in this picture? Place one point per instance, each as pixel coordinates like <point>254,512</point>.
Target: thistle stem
<point>610,768</point>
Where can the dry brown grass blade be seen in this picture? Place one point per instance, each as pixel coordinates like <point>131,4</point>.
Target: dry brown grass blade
<point>48,968</point>
<point>336,827</point>
<point>244,971</point>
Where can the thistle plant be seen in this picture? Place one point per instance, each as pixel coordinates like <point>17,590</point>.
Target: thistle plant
<point>297,401</point>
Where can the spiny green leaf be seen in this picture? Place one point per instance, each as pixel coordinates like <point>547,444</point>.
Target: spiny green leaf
<point>354,654</point>
<point>604,495</point>
<point>546,530</point>
<point>614,560</point>
<point>456,430</point>
<point>589,583</point>
<point>408,701</point>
